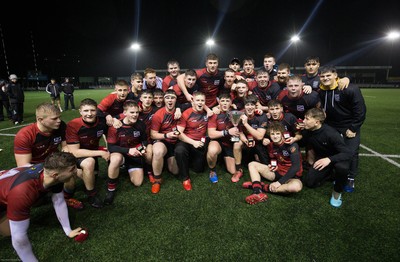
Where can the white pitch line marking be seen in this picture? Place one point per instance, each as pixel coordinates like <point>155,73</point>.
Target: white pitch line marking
<point>380,155</point>
<point>391,156</point>
<point>7,134</point>
<point>17,126</point>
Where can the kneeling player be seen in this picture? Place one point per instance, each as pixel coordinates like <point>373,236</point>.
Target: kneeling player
<point>127,145</point>
<point>284,170</point>
<point>165,137</point>
<point>220,129</point>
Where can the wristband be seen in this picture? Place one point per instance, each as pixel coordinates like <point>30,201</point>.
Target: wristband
<point>225,132</point>
<point>165,135</point>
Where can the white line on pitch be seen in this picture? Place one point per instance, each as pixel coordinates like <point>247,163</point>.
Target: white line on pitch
<point>380,155</point>
<point>7,134</point>
<point>391,156</point>
<point>17,126</point>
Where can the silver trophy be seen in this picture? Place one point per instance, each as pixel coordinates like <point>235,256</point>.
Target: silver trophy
<point>234,116</point>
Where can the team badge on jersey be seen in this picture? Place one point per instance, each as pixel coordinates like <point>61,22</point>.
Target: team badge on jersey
<point>293,149</point>
<point>300,108</point>
<point>337,97</point>
<point>285,153</point>
<point>315,84</point>
<point>216,82</point>
<point>57,140</point>
<point>136,133</point>
<point>99,133</point>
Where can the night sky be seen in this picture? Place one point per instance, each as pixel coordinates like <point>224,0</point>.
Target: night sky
<point>92,38</point>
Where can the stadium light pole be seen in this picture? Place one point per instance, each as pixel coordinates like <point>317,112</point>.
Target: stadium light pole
<point>294,40</point>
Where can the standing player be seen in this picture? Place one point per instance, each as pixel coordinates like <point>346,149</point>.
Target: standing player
<point>83,137</point>
<point>269,65</point>
<point>192,145</point>
<point>68,89</point>
<point>235,65</point>
<point>220,129</point>
<point>285,169</point>
<point>209,79</point>
<point>170,79</point>
<point>22,187</point>
<point>54,89</point>
<point>265,89</point>
<point>136,87</point>
<point>189,81</point>
<point>151,81</point>
<point>112,105</point>
<point>35,142</point>
<point>248,74</point>
<point>127,146</point>
<point>282,76</point>
<point>4,101</point>
<point>345,111</point>
<point>165,135</point>
<point>295,101</point>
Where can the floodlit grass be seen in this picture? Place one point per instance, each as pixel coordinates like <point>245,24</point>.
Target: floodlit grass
<point>213,223</point>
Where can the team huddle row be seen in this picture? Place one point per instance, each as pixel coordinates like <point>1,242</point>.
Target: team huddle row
<point>207,116</point>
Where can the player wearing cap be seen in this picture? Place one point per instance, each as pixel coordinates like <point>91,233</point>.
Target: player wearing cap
<point>235,65</point>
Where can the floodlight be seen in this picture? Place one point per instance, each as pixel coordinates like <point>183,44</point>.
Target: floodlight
<point>393,35</point>
<point>210,42</point>
<point>135,46</point>
<point>295,38</point>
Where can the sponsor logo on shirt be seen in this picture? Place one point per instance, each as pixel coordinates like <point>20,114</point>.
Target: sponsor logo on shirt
<point>99,133</point>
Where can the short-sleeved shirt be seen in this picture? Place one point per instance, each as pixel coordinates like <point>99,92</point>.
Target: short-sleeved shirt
<point>30,140</point>
<point>210,85</point>
<point>221,122</point>
<point>300,105</point>
<point>195,123</point>
<point>127,136</point>
<point>110,105</point>
<point>268,93</point>
<point>256,122</point>
<point>85,134</point>
<point>164,122</point>
<point>21,188</point>
<point>146,117</point>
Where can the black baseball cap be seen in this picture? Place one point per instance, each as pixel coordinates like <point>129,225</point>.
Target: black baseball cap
<point>235,60</point>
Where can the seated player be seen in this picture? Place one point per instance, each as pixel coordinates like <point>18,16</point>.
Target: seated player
<point>127,146</point>
<point>284,170</point>
<point>220,129</point>
<point>165,135</point>
<point>192,147</point>
<point>83,137</point>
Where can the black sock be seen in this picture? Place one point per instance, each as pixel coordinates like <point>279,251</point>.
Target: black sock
<point>238,167</point>
<point>257,188</point>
